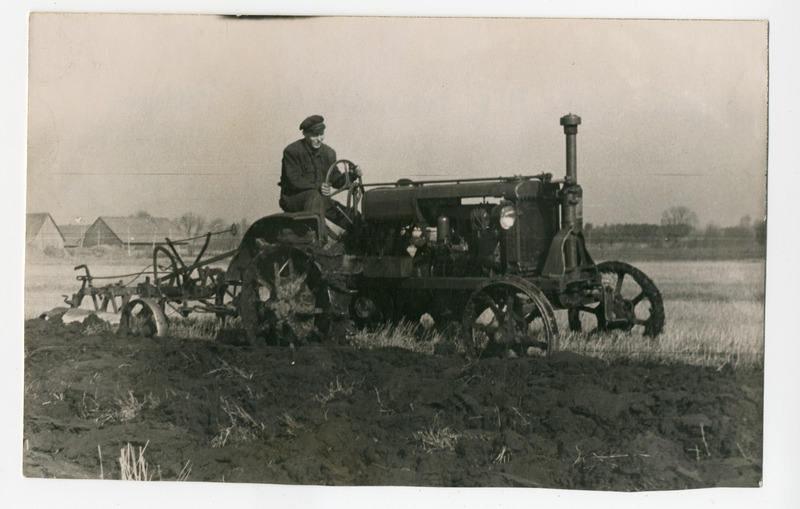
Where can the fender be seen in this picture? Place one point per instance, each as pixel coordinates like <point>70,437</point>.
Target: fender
<point>297,228</point>
<point>555,265</point>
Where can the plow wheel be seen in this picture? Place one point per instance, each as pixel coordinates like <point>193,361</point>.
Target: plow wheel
<point>143,317</point>
<point>509,314</point>
<point>166,272</point>
<point>283,299</point>
<point>637,304</point>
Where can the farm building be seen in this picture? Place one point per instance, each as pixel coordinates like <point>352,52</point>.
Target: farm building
<point>41,232</point>
<point>73,234</point>
<point>130,232</point>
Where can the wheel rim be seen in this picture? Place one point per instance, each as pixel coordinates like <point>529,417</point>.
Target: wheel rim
<point>509,316</point>
<point>283,300</point>
<point>637,303</point>
<point>143,317</point>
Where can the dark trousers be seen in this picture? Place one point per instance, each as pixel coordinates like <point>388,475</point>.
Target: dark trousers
<point>313,201</point>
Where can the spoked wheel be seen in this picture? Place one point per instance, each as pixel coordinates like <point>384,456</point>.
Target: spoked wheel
<point>636,303</point>
<point>353,187</point>
<point>283,299</point>
<point>509,314</point>
<point>166,272</point>
<point>143,317</point>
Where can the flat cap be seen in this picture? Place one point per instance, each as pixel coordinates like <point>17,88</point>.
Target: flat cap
<point>314,124</point>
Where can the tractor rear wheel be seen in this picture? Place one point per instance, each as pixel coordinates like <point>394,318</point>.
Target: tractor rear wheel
<point>283,300</point>
<point>509,315</point>
<point>637,303</point>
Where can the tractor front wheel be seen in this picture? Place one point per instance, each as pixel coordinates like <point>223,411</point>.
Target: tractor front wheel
<point>636,303</point>
<point>509,315</point>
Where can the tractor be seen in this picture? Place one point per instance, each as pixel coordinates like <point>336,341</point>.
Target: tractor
<point>491,258</point>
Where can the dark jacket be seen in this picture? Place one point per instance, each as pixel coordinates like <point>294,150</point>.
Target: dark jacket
<point>303,168</point>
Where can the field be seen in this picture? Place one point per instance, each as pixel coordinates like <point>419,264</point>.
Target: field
<point>610,412</point>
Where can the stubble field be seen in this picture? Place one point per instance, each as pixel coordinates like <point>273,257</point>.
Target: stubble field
<point>609,413</point>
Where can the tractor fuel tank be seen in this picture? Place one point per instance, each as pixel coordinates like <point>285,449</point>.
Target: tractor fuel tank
<point>405,202</point>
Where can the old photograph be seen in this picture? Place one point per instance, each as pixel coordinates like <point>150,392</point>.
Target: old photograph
<point>396,251</point>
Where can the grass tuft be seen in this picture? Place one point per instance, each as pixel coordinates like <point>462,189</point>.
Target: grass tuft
<point>127,408</point>
<point>334,390</point>
<point>242,427</point>
<point>436,438</point>
<point>403,334</point>
<point>133,466</point>
<point>292,426</point>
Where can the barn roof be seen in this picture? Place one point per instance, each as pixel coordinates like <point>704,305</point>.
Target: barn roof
<point>141,229</point>
<point>34,223</point>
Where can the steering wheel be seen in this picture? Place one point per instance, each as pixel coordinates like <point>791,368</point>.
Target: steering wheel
<point>354,188</point>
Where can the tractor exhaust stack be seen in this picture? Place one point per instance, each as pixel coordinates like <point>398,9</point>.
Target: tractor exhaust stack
<point>571,123</point>
<point>572,195</point>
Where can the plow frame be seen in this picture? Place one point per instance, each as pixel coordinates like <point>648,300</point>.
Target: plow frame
<point>184,288</point>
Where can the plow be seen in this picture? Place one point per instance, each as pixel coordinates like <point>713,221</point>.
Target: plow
<point>172,286</point>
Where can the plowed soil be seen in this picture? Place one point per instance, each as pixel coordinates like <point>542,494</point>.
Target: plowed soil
<point>334,415</point>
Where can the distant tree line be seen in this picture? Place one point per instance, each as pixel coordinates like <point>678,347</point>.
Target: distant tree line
<point>679,227</point>
<point>194,226</point>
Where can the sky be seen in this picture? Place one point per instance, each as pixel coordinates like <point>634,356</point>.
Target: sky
<point>190,113</point>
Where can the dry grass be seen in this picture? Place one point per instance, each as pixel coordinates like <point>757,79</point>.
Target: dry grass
<point>228,371</point>
<point>183,475</point>
<point>404,335</point>
<point>127,408</point>
<point>437,438</point>
<point>292,426</point>
<point>242,427</point>
<point>200,326</point>
<point>133,466</point>
<point>672,348</point>
<point>335,390</point>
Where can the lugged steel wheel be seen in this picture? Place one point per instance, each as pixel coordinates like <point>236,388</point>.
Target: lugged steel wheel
<point>509,314</point>
<point>638,306</point>
<point>143,317</point>
<point>283,299</point>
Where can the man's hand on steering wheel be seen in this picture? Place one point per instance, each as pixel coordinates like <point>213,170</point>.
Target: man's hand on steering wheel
<point>352,185</point>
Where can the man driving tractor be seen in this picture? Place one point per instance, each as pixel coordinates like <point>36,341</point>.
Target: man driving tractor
<point>304,169</point>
